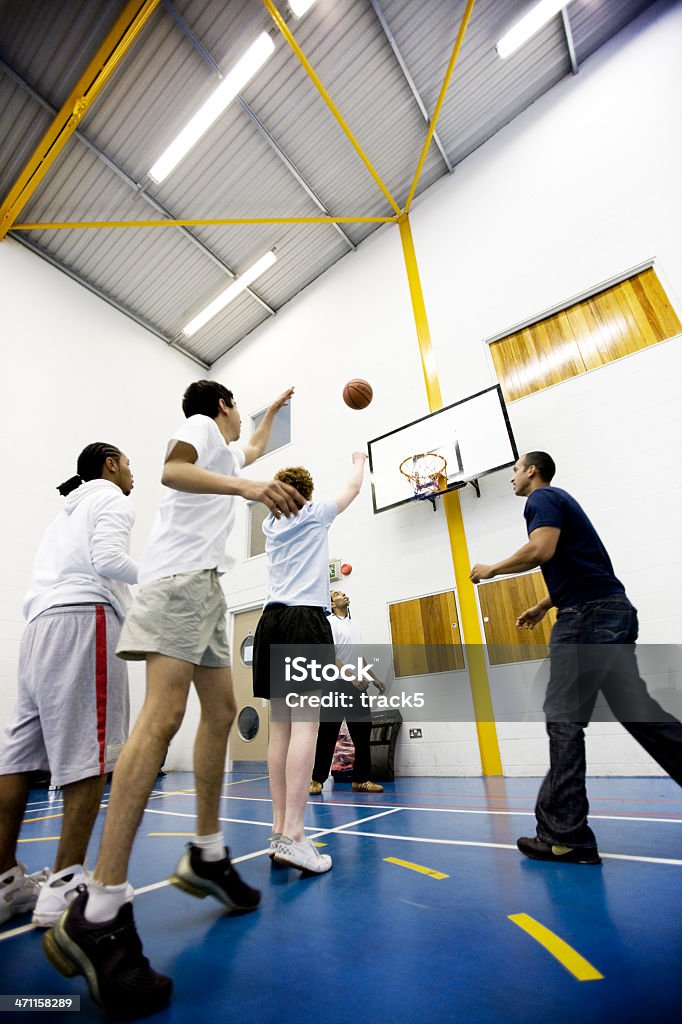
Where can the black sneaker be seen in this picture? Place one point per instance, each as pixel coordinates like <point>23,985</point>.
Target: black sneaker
<point>109,956</point>
<point>538,849</point>
<point>213,878</point>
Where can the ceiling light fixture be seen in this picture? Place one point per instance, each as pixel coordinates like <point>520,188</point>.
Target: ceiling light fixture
<point>234,81</point>
<point>527,26</point>
<point>230,293</point>
<point>299,7</point>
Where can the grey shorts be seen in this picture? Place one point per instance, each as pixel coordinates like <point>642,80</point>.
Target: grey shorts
<point>72,711</point>
<point>181,616</point>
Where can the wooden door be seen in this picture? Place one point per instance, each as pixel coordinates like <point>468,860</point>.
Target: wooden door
<point>425,635</point>
<point>250,732</point>
<point>502,601</point>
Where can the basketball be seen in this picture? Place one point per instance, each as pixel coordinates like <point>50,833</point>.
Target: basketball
<point>357,394</point>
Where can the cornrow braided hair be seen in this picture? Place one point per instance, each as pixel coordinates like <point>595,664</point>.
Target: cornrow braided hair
<point>90,465</point>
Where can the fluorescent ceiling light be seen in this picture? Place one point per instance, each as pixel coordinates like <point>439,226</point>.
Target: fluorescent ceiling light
<point>527,26</point>
<point>245,68</point>
<point>299,7</point>
<point>230,293</point>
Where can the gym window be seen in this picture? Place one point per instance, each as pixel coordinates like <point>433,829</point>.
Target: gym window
<point>280,434</point>
<point>630,314</point>
<point>255,541</point>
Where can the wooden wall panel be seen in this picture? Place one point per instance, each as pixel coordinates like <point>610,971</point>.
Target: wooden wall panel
<point>425,635</point>
<point>614,323</point>
<point>502,601</point>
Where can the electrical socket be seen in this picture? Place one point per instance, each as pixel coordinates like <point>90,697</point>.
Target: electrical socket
<point>415,734</point>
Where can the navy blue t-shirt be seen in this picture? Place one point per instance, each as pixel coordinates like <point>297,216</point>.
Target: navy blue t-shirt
<point>580,569</point>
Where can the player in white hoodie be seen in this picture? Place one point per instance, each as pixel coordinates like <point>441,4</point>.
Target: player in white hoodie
<point>72,711</point>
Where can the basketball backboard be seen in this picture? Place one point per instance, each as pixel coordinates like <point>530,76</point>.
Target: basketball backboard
<point>473,435</point>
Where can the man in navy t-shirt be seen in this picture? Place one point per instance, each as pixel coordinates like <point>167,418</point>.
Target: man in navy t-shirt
<point>592,649</point>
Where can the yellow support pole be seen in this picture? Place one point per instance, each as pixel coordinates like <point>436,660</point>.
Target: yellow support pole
<point>167,223</point>
<point>126,29</point>
<point>284,29</point>
<point>491,762</point>
<point>439,104</point>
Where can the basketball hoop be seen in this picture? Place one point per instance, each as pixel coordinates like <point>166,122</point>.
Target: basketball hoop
<point>428,474</point>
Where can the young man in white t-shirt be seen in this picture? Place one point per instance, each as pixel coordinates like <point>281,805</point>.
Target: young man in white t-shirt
<point>71,717</point>
<point>177,624</point>
<point>294,618</point>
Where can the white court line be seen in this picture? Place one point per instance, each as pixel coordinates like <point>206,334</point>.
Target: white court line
<point>507,846</point>
<point>458,810</point>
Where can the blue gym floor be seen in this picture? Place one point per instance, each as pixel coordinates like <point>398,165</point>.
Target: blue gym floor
<point>430,939</point>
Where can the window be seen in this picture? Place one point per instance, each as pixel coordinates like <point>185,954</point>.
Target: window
<point>256,541</point>
<point>281,428</point>
<point>610,323</point>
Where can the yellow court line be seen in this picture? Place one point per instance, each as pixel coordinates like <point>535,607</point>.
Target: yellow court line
<point>38,839</point>
<point>242,782</point>
<point>568,957</point>
<point>416,867</point>
<point>46,817</point>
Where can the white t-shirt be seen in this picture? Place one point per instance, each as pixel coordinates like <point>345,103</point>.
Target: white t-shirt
<point>190,530</point>
<point>84,557</point>
<point>297,555</point>
<point>346,638</point>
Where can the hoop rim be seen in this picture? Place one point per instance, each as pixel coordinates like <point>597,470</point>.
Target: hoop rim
<point>432,475</point>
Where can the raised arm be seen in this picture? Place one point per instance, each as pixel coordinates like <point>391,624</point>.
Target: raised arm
<point>258,442</point>
<point>352,488</point>
<point>539,549</point>
<point>181,473</point>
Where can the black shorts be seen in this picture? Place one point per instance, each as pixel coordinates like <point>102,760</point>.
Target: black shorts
<point>284,634</point>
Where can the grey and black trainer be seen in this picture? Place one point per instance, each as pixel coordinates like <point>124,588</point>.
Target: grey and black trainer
<point>213,878</point>
<point>110,958</point>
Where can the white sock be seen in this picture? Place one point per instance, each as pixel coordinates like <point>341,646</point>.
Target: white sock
<point>105,901</point>
<point>212,847</point>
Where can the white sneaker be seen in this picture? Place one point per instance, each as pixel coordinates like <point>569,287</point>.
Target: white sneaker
<point>18,892</point>
<point>274,839</point>
<point>56,894</point>
<point>305,855</point>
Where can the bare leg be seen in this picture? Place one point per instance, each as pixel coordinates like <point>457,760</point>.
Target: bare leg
<point>280,734</point>
<point>300,758</point>
<point>81,806</point>
<point>13,797</point>
<point>218,708</point>
<point>168,681</point>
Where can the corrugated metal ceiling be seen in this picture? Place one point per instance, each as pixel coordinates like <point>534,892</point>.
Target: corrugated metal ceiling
<point>163,276</point>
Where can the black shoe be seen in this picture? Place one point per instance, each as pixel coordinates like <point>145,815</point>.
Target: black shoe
<point>213,878</point>
<point>538,849</point>
<point>109,956</point>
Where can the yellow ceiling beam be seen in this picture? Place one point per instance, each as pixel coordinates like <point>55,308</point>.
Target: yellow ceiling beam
<point>439,104</point>
<point>196,223</point>
<point>126,29</point>
<point>284,29</point>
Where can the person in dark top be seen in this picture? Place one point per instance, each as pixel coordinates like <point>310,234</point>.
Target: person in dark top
<point>592,649</point>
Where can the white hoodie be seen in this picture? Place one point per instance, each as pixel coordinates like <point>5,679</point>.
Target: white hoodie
<point>83,557</point>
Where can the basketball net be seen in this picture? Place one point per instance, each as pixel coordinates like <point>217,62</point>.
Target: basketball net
<point>427,473</point>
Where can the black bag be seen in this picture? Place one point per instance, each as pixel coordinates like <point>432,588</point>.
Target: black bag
<point>383,739</point>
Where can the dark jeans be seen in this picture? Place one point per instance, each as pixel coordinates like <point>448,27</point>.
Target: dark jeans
<point>360,733</point>
<point>583,663</point>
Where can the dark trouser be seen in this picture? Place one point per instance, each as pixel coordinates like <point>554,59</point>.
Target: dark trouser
<point>359,724</point>
<point>581,666</point>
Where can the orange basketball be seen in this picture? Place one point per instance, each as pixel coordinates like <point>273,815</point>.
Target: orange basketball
<point>357,394</point>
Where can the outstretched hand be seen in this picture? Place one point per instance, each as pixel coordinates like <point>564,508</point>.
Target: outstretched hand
<point>280,498</point>
<point>359,457</point>
<point>481,572</point>
<point>530,618</point>
<point>282,400</point>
